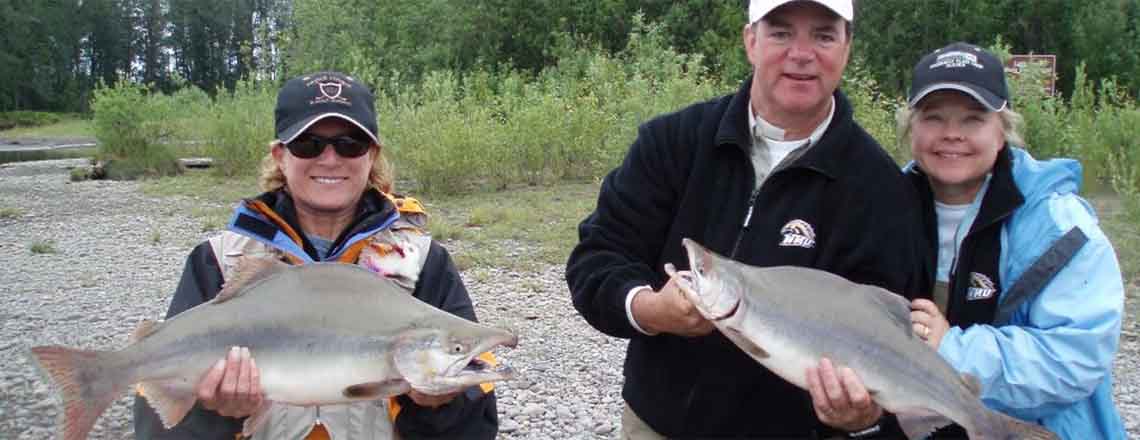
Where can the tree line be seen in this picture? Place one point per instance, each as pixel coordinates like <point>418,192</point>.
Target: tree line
<point>54,53</point>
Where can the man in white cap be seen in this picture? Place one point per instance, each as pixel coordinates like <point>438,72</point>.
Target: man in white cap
<point>778,173</point>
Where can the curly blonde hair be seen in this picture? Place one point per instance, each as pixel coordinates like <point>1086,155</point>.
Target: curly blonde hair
<point>271,179</point>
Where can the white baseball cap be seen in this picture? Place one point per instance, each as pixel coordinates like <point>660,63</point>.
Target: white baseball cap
<point>757,9</point>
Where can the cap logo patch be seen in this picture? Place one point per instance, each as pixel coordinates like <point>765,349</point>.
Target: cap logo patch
<point>981,287</point>
<point>798,233</point>
<point>956,60</point>
<point>329,89</point>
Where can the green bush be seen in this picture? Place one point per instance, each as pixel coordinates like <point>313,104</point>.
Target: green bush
<point>239,127</point>
<point>134,131</point>
<point>10,120</point>
<point>457,133</point>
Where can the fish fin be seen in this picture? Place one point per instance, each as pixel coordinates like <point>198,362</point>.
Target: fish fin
<point>168,401</point>
<point>1012,427</point>
<point>376,390</point>
<point>249,271</point>
<point>145,328</point>
<point>84,382</point>
<point>972,384</point>
<point>256,420</point>
<point>896,306</point>
<point>919,425</point>
<point>744,343</point>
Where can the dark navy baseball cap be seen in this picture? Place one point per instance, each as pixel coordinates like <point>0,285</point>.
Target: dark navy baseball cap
<point>963,67</point>
<point>306,99</point>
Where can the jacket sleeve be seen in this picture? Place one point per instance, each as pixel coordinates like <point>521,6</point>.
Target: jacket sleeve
<point>472,414</point>
<point>1058,346</point>
<point>201,280</point>
<point>621,240</point>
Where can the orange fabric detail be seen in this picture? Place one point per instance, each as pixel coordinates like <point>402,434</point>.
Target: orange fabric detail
<point>318,433</point>
<point>259,206</point>
<point>353,252</point>
<point>393,408</point>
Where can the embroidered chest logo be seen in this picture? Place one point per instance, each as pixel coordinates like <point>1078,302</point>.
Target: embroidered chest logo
<point>981,287</point>
<point>329,89</point>
<point>798,233</point>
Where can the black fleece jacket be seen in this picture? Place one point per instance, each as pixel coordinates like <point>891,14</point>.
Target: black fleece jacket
<point>471,415</point>
<point>843,206</point>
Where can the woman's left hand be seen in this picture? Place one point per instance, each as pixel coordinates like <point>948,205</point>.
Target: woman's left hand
<point>929,323</point>
<point>429,400</point>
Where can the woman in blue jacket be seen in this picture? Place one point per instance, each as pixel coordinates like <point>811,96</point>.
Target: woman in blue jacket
<point>1029,295</point>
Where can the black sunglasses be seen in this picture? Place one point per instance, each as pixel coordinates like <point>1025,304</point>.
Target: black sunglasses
<point>308,146</point>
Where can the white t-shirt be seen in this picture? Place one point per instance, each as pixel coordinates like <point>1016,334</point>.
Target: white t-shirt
<point>949,218</point>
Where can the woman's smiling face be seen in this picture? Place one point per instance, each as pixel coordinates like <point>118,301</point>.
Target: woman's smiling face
<point>955,141</point>
<point>328,184</point>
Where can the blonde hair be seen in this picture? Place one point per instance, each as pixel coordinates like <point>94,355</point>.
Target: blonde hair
<point>1011,123</point>
<point>272,179</point>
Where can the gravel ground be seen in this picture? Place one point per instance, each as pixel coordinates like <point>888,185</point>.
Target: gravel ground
<point>117,256</point>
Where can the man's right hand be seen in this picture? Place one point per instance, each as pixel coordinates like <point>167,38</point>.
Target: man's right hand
<point>668,311</point>
<point>232,387</point>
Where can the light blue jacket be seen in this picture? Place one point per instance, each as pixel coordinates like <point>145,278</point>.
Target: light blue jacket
<point>1051,363</point>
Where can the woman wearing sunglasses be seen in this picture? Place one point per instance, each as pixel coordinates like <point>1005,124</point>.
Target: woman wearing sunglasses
<point>326,198</point>
<point>1029,295</point>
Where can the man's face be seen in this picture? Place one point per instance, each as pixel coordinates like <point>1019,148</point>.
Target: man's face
<point>798,53</point>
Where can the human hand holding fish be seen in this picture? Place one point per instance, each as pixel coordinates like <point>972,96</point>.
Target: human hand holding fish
<point>840,399</point>
<point>669,311</point>
<point>232,387</point>
<point>929,323</point>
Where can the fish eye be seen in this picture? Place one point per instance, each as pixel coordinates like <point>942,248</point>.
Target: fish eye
<point>457,348</point>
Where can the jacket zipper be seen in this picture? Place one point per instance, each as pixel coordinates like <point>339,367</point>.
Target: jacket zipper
<point>747,221</point>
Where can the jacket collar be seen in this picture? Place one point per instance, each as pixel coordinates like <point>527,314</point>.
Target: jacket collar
<point>272,219</point>
<point>1003,197</point>
<point>826,156</point>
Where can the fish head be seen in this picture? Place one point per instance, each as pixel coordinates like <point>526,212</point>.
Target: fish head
<point>708,283</point>
<point>440,360</point>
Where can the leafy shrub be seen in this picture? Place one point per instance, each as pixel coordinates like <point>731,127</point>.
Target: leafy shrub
<point>457,133</point>
<point>133,130</point>
<point>239,127</point>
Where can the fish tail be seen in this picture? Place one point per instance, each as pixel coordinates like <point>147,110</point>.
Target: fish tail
<point>1016,429</point>
<point>87,383</point>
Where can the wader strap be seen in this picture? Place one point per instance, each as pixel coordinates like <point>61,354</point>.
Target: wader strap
<point>1040,273</point>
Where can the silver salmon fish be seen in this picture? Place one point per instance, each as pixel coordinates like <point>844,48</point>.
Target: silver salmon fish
<point>788,318</point>
<point>321,333</point>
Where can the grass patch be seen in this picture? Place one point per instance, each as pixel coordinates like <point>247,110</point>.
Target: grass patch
<point>216,195</point>
<point>65,128</point>
<point>524,229</point>
<point>43,247</point>
<point>7,213</point>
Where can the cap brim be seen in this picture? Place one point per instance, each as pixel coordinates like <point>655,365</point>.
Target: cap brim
<point>296,129</point>
<point>983,96</point>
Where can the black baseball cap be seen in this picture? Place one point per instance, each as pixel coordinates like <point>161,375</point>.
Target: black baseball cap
<point>963,67</point>
<point>306,99</point>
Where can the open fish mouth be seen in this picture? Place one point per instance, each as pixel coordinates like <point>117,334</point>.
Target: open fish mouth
<point>480,366</point>
<point>690,283</point>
